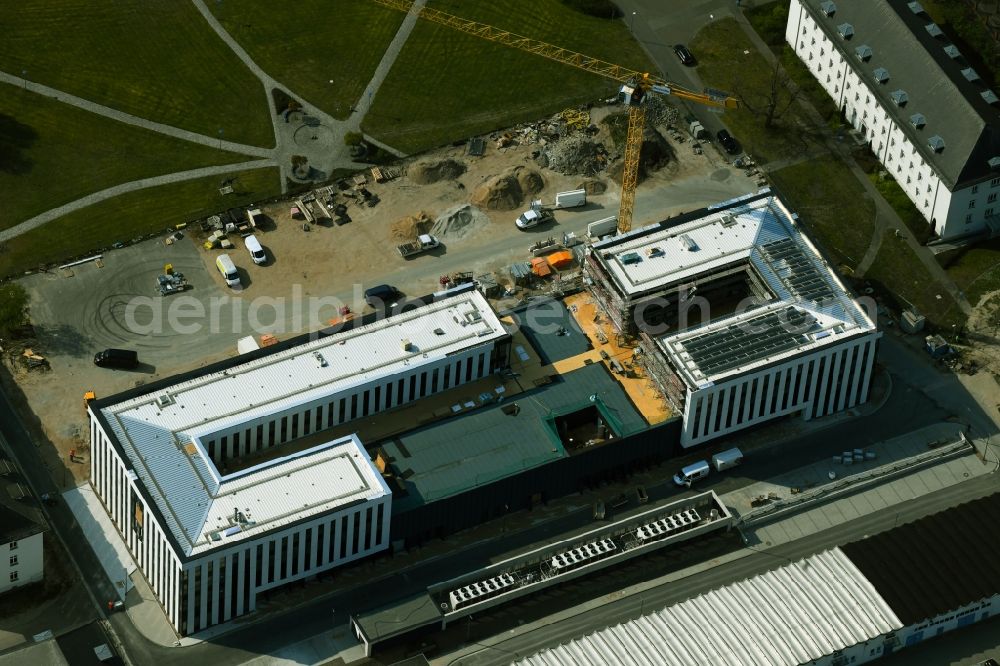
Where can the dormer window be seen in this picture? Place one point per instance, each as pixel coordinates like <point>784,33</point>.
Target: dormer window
<point>899,97</point>
<point>989,97</point>
<point>970,74</point>
<point>936,143</point>
<point>828,8</point>
<point>918,120</point>
<point>952,52</point>
<point>915,7</point>
<point>881,74</point>
<point>864,52</point>
<point>845,30</point>
<point>933,30</point>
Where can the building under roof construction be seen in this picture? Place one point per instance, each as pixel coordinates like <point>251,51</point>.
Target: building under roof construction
<point>849,605</point>
<point>739,317</point>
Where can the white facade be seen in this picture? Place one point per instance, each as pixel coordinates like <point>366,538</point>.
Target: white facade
<point>21,562</point>
<point>824,382</point>
<point>212,518</point>
<point>899,117</point>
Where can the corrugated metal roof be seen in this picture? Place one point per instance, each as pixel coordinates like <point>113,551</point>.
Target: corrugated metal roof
<point>789,616</point>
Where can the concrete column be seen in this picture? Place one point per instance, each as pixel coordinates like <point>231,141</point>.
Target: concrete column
<point>302,550</point>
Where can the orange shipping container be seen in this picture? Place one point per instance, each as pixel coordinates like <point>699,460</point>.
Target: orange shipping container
<point>540,268</point>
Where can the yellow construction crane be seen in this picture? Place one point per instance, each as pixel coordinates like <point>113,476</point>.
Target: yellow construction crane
<point>635,87</point>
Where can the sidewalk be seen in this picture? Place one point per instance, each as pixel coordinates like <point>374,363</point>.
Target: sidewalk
<point>140,602</point>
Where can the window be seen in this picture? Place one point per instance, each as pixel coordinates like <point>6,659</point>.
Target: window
<point>995,182</point>
<point>972,204</point>
<point>987,212</point>
<point>968,219</point>
<point>925,203</point>
<point>908,180</point>
<point>13,560</point>
<point>13,545</point>
<point>975,189</point>
<point>13,576</point>
<point>919,175</point>
<point>928,188</point>
<point>992,197</point>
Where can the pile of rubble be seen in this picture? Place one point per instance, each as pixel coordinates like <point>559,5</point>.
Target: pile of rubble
<point>506,191</point>
<point>411,226</point>
<point>458,222</point>
<point>577,155</point>
<point>426,172</point>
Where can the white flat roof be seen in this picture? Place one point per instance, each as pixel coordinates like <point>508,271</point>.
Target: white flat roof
<point>163,442</point>
<point>793,615</point>
<point>322,367</point>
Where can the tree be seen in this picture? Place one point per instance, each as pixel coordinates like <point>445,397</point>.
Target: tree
<point>353,138</point>
<point>13,308</point>
<point>776,97</point>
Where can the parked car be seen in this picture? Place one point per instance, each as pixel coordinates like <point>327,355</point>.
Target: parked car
<point>255,250</point>
<point>125,359</point>
<point>684,55</point>
<point>691,473</point>
<point>383,294</point>
<point>727,141</point>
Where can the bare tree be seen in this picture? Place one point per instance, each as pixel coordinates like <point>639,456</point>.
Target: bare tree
<point>774,99</point>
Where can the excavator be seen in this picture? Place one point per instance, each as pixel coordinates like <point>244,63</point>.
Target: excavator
<point>635,87</point>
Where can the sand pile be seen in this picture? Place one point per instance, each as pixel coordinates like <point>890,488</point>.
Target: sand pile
<point>577,155</point>
<point>501,192</point>
<point>432,171</point>
<point>458,222</point>
<point>411,226</point>
<point>531,181</point>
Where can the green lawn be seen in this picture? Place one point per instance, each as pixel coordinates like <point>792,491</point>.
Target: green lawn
<point>132,215</point>
<point>977,271</point>
<point>724,64</point>
<point>155,59</point>
<point>55,153</point>
<point>899,271</point>
<point>833,206</point>
<point>447,85</point>
<point>900,202</point>
<point>327,54</point>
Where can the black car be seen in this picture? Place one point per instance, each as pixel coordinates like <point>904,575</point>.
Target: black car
<point>383,294</point>
<point>684,55</point>
<point>126,359</point>
<point>728,142</point>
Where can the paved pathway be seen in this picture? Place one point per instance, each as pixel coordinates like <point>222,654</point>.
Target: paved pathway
<point>132,186</point>
<point>129,119</point>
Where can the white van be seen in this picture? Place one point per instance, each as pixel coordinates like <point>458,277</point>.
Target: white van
<point>727,459</point>
<point>228,270</point>
<point>571,199</point>
<point>256,251</point>
<point>691,473</point>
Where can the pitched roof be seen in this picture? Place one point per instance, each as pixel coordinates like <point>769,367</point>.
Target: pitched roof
<point>935,564</point>
<point>918,64</point>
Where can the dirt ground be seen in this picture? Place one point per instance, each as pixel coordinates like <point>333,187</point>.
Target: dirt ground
<point>83,310</point>
<point>983,332</point>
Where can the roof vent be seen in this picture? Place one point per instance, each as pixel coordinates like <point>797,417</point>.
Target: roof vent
<point>933,30</point>
<point>728,220</point>
<point>828,8</point>
<point>845,30</point>
<point>936,143</point>
<point>994,163</point>
<point>915,7</point>
<point>191,449</point>
<point>438,331</point>
<point>164,400</point>
<point>899,97</point>
<point>687,243</point>
<point>952,51</point>
<point>320,361</point>
<point>406,345</point>
<point>881,74</point>
<point>989,97</point>
<point>918,120</point>
<point>970,74</point>
<point>864,52</point>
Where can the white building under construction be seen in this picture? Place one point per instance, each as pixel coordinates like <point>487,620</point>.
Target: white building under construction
<point>228,482</point>
<point>739,318</point>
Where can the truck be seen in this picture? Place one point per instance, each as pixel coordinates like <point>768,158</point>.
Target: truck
<point>171,281</point>
<point>245,223</point>
<point>695,128</point>
<point>423,243</point>
<point>534,216</point>
<point>571,199</point>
